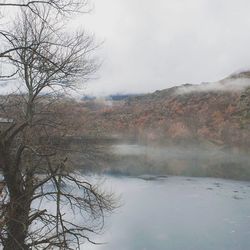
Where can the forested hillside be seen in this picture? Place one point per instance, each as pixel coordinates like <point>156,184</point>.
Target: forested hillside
<point>208,113</point>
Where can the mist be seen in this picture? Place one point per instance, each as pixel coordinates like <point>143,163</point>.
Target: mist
<point>226,85</point>
<point>177,159</point>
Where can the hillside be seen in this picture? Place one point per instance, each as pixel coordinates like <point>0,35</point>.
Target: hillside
<point>208,113</point>
<point>193,130</point>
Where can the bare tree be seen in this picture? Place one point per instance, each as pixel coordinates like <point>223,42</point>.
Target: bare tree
<point>35,168</point>
<point>62,7</point>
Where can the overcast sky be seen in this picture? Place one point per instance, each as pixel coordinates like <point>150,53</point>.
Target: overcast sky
<point>152,45</point>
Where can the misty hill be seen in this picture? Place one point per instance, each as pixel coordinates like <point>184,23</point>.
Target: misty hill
<point>215,113</point>
<point>194,130</point>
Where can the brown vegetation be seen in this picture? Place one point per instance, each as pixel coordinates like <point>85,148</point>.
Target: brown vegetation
<point>166,116</point>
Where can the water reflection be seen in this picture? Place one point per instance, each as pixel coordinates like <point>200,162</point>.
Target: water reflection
<point>189,160</point>
<point>178,213</point>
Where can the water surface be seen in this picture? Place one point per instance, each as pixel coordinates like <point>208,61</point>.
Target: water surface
<point>178,213</point>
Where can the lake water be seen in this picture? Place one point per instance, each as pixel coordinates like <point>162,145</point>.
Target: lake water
<point>177,213</point>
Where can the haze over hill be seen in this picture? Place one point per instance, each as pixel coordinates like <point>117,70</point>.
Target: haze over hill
<point>199,130</point>
<point>190,129</point>
<point>213,112</point>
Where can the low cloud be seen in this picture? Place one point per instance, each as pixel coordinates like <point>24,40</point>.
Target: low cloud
<point>226,85</point>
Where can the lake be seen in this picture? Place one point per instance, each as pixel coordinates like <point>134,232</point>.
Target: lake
<point>177,213</point>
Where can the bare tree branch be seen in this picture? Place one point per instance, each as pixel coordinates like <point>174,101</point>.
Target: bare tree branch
<point>33,156</point>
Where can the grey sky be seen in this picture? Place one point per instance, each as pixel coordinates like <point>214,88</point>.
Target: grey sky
<point>150,45</point>
<point>153,45</point>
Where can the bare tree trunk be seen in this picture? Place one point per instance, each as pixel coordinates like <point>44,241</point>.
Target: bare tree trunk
<point>17,213</point>
<point>17,229</point>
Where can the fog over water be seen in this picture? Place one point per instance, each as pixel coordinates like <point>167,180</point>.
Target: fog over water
<point>188,160</point>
